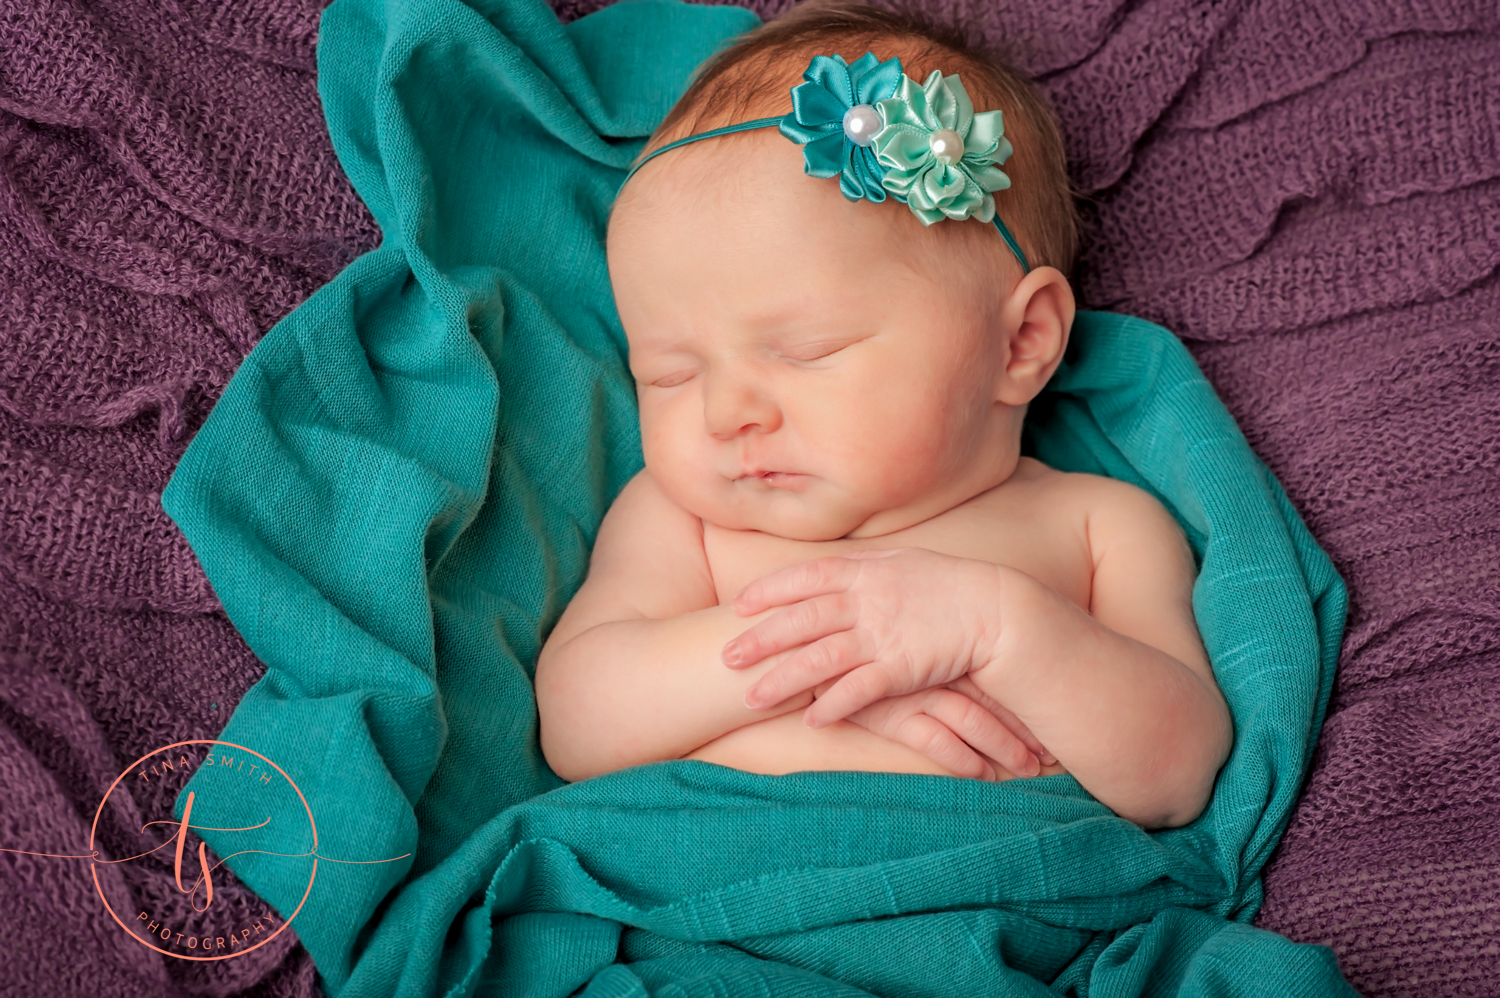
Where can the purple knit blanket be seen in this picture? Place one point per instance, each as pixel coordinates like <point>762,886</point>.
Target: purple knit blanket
<point>1306,191</point>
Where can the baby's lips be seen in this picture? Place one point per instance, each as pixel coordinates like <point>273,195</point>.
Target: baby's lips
<point>776,478</point>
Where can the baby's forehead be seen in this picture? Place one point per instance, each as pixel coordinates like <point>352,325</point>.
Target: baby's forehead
<point>751,312</point>
<point>684,179</point>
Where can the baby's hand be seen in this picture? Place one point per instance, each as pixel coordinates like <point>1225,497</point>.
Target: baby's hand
<point>964,732</point>
<point>888,623</point>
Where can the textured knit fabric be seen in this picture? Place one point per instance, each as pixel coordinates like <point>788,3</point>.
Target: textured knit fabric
<point>394,499</point>
<point>1304,191</point>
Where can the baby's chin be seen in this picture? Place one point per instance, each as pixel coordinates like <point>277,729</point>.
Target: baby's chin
<point>793,528</point>
<point>797,516</point>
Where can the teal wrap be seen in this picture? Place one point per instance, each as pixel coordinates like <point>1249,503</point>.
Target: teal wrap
<point>395,498</point>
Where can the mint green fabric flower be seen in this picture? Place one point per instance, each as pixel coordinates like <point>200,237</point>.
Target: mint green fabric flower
<point>940,157</point>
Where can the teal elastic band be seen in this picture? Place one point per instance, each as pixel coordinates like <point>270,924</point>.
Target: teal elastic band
<point>746,126</point>
<point>1010,241</point>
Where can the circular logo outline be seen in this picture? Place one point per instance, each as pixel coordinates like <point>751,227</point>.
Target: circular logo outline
<point>94,864</point>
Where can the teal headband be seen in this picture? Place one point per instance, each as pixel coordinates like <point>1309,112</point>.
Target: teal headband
<point>880,133</point>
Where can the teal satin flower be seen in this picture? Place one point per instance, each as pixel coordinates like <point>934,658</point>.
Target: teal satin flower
<point>828,110</point>
<point>939,156</point>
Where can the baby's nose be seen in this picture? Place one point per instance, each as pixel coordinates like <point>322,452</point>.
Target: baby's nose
<point>732,407</point>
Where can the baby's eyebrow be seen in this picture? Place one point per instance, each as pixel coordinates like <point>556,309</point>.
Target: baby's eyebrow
<point>688,342</point>
<point>639,346</point>
<point>830,316</point>
<point>810,312</point>
<point>834,327</point>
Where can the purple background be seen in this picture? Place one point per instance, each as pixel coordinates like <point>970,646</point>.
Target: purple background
<point>1307,192</point>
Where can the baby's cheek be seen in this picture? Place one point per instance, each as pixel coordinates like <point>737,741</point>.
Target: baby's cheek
<point>675,455</point>
<point>898,457</point>
<point>910,468</point>
<point>663,445</point>
<point>671,423</point>
<point>885,425</point>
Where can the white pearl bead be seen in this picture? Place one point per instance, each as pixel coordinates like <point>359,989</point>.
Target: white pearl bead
<point>947,146</point>
<point>861,122</point>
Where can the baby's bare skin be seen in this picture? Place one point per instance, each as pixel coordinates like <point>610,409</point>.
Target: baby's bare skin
<point>1034,522</point>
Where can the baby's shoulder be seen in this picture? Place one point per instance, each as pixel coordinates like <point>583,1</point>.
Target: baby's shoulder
<point>644,501</point>
<point>1124,533</point>
<point>1101,503</point>
<point>648,556</point>
<point>1034,481</point>
<point>644,521</point>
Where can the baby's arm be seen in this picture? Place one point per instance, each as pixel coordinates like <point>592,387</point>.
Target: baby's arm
<point>1124,695</point>
<point>631,673</point>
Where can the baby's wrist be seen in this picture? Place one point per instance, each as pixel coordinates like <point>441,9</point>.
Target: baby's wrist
<point>1011,605</point>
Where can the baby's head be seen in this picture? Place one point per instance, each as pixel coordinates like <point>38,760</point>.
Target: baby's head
<point>815,367</point>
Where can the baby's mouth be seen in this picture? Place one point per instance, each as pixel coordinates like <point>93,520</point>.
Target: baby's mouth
<point>774,479</point>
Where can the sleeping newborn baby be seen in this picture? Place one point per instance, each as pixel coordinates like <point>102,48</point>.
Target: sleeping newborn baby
<point>836,557</point>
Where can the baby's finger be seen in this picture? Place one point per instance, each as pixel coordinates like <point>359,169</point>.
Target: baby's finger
<point>794,626</point>
<point>938,743</point>
<point>981,729</point>
<point>807,667</point>
<point>970,689</point>
<point>798,582</point>
<point>858,689</point>
<point>1018,727</point>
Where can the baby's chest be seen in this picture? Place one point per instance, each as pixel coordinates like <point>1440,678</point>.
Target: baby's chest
<point>1049,551</point>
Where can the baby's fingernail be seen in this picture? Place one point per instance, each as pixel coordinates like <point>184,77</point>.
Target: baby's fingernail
<point>1033,767</point>
<point>752,700</point>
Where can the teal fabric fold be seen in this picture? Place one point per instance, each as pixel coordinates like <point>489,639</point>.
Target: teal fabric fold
<point>396,495</point>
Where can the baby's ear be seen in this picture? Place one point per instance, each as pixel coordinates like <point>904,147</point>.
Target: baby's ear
<point>1036,319</point>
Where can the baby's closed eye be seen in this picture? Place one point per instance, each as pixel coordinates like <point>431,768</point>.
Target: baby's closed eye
<point>672,380</point>
<point>810,350</point>
<point>660,369</point>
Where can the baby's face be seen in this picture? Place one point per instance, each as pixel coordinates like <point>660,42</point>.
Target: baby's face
<point>807,366</point>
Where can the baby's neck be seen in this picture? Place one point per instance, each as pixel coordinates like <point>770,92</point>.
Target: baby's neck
<point>958,492</point>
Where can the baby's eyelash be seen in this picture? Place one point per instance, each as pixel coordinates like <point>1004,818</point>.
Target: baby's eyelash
<point>817,351</point>
<point>672,380</point>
